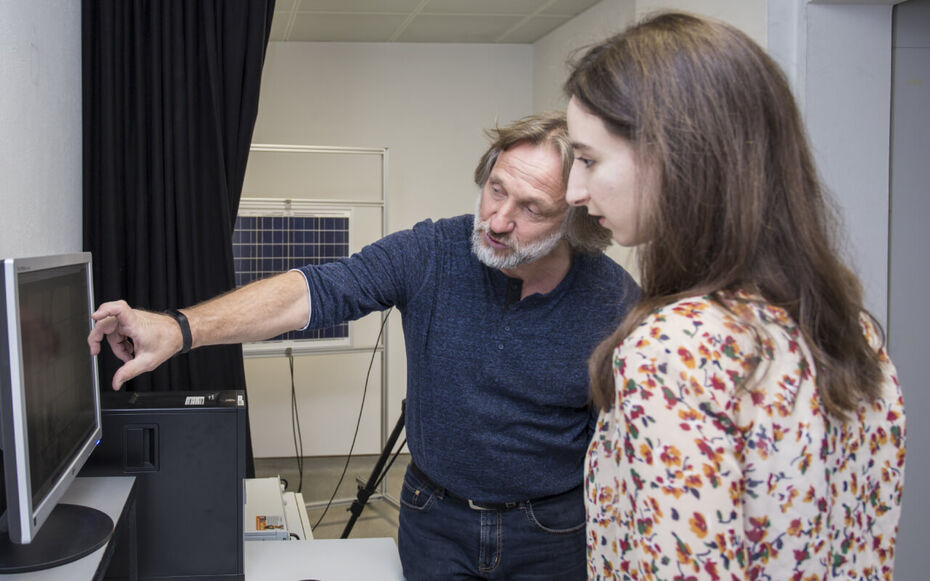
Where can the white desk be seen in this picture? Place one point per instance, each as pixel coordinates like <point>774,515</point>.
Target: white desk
<point>108,494</point>
<point>323,559</point>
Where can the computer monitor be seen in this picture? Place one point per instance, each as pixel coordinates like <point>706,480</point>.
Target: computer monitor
<point>50,417</point>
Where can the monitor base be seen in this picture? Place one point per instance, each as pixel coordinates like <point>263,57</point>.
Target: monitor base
<point>70,532</point>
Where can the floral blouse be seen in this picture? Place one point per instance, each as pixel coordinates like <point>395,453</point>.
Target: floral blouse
<point>695,473</point>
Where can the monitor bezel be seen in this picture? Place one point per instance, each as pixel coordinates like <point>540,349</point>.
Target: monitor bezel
<point>24,517</point>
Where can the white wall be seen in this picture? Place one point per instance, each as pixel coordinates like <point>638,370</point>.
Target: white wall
<point>427,103</point>
<point>908,319</point>
<point>837,55</point>
<point>608,17</point>
<point>847,107</point>
<point>747,15</point>
<point>552,53</point>
<point>40,117</point>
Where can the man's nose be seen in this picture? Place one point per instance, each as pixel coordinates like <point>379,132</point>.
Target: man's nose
<point>502,221</point>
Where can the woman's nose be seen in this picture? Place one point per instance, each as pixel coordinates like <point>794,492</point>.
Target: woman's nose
<point>576,194</point>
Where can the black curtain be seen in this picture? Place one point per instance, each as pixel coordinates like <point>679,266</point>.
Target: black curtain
<point>170,93</point>
<point>170,99</point>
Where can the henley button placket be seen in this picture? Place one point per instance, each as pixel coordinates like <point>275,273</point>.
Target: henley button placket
<point>514,288</point>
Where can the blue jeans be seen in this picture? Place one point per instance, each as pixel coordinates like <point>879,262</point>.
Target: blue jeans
<point>441,537</point>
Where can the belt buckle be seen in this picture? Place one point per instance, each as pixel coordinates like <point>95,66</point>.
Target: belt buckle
<point>473,506</point>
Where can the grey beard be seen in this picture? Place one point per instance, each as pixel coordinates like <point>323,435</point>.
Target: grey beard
<point>518,255</point>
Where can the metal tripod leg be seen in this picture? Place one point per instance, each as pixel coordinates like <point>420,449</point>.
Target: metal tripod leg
<point>377,474</point>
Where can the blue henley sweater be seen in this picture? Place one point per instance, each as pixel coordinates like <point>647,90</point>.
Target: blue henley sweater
<point>497,388</point>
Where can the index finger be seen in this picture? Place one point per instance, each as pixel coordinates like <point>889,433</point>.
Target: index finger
<point>110,309</point>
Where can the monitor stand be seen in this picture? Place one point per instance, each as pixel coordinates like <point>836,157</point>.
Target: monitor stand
<point>70,532</point>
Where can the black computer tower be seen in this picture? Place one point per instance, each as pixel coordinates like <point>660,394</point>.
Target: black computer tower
<point>187,451</point>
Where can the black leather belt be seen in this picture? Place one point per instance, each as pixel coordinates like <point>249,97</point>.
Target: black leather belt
<point>475,505</point>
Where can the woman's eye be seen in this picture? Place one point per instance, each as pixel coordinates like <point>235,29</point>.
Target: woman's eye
<point>585,161</point>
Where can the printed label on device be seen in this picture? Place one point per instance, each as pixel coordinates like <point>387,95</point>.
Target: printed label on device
<point>194,400</point>
<point>263,522</point>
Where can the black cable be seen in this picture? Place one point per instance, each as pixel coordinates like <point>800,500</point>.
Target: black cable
<point>358,422</point>
<point>295,425</point>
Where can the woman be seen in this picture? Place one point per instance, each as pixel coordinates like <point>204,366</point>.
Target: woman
<point>751,425</point>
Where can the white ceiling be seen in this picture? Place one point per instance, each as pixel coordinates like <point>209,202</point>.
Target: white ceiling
<point>485,21</point>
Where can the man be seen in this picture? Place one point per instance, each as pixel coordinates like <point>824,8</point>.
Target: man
<point>500,312</point>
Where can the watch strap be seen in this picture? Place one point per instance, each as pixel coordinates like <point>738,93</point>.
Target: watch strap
<point>186,338</point>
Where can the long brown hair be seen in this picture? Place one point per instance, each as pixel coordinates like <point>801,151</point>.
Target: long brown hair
<point>740,204</point>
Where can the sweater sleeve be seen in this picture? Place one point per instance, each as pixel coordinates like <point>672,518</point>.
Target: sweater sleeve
<point>383,274</point>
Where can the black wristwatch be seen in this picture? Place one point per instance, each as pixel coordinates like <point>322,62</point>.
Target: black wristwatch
<point>186,339</point>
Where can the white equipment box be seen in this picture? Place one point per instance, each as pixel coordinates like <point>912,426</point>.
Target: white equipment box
<point>295,513</point>
<point>270,514</point>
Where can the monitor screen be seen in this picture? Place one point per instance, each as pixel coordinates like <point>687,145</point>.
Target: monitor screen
<point>57,371</point>
<point>49,402</point>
